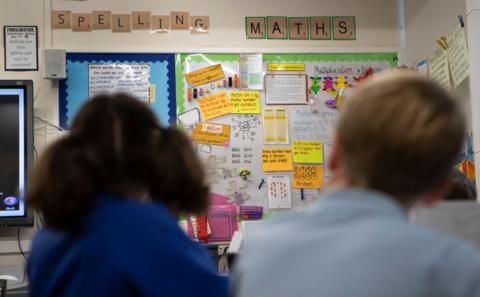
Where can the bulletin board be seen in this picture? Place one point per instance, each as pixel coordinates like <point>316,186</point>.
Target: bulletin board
<point>150,75</point>
<point>236,147</point>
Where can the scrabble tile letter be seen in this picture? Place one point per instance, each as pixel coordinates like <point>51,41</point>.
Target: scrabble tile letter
<point>298,28</point>
<point>277,28</point>
<point>121,23</point>
<point>61,19</point>
<point>255,27</point>
<point>141,20</point>
<point>101,20</point>
<point>81,22</point>
<point>199,24</point>
<point>179,20</point>
<point>344,28</point>
<point>160,23</point>
<point>320,28</point>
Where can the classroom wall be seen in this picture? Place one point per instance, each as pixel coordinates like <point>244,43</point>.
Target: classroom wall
<point>377,30</point>
<point>425,22</point>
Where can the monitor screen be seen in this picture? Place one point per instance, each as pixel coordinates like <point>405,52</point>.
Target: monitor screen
<point>12,152</point>
<point>15,128</point>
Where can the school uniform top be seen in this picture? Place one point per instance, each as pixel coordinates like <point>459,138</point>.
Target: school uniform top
<point>123,248</point>
<point>355,243</point>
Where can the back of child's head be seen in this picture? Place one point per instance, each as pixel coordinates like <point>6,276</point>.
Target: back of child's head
<point>400,134</point>
<point>116,146</point>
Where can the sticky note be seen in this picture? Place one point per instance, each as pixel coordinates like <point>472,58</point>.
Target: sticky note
<point>307,152</point>
<point>214,106</point>
<point>205,75</point>
<point>209,133</point>
<point>277,159</point>
<point>307,177</point>
<point>245,101</point>
<point>285,67</point>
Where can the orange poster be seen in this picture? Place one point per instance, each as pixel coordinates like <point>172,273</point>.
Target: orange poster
<point>215,106</point>
<point>307,177</point>
<point>204,75</point>
<point>208,133</point>
<point>277,159</point>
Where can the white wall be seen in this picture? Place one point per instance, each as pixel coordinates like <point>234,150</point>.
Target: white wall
<point>377,30</point>
<point>377,24</point>
<point>426,21</point>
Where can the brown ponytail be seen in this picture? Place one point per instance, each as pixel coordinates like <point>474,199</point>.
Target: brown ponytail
<point>116,146</point>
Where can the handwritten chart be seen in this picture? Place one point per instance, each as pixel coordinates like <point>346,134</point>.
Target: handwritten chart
<point>107,78</point>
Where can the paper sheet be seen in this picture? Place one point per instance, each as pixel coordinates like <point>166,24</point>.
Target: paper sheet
<point>279,192</point>
<point>458,55</point>
<point>285,89</point>
<point>129,78</point>
<point>275,126</point>
<point>251,71</point>
<point>438,68</point>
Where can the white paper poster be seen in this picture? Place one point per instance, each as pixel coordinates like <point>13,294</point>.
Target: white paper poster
<point>21,48</point>
<point>458,55</point>
<point>275,126</point>
<point>128,78</point>
<point>285,89</point>
<point>251,71</point>
<point>438,68</point>
<point>279,195</point>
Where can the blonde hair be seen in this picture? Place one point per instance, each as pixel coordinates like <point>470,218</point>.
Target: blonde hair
<point>400,134</point>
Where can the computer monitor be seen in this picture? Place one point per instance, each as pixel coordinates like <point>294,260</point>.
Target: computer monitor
<point>16,151</point>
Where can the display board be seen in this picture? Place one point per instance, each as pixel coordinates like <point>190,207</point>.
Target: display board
<point>150,77</point>
<point>270,153</point>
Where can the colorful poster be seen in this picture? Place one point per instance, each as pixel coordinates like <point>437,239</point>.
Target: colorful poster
<point>209,133</point>
<point>215,106</point>
<point>279,192</point>
<point>244,102</point>
<point>307,177</point>
<point>307,152</point>
<point>277,159</point>
<point>204,75</point>
<point>275,126</point>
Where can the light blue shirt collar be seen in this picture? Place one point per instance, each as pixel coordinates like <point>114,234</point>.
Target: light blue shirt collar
<point>361,201</point>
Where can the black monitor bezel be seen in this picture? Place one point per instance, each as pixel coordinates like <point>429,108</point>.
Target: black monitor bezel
<point>26,220</point>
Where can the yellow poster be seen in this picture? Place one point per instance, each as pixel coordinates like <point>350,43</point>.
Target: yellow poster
<point>209,133</point>
<point>204,75</point>
<point>275,126</point>
<point>215,106</point>
<point>307,152</point>
<point>277,159</point>
<point>307,177</point>
<point>286,67</point>
<point>245,101</point>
